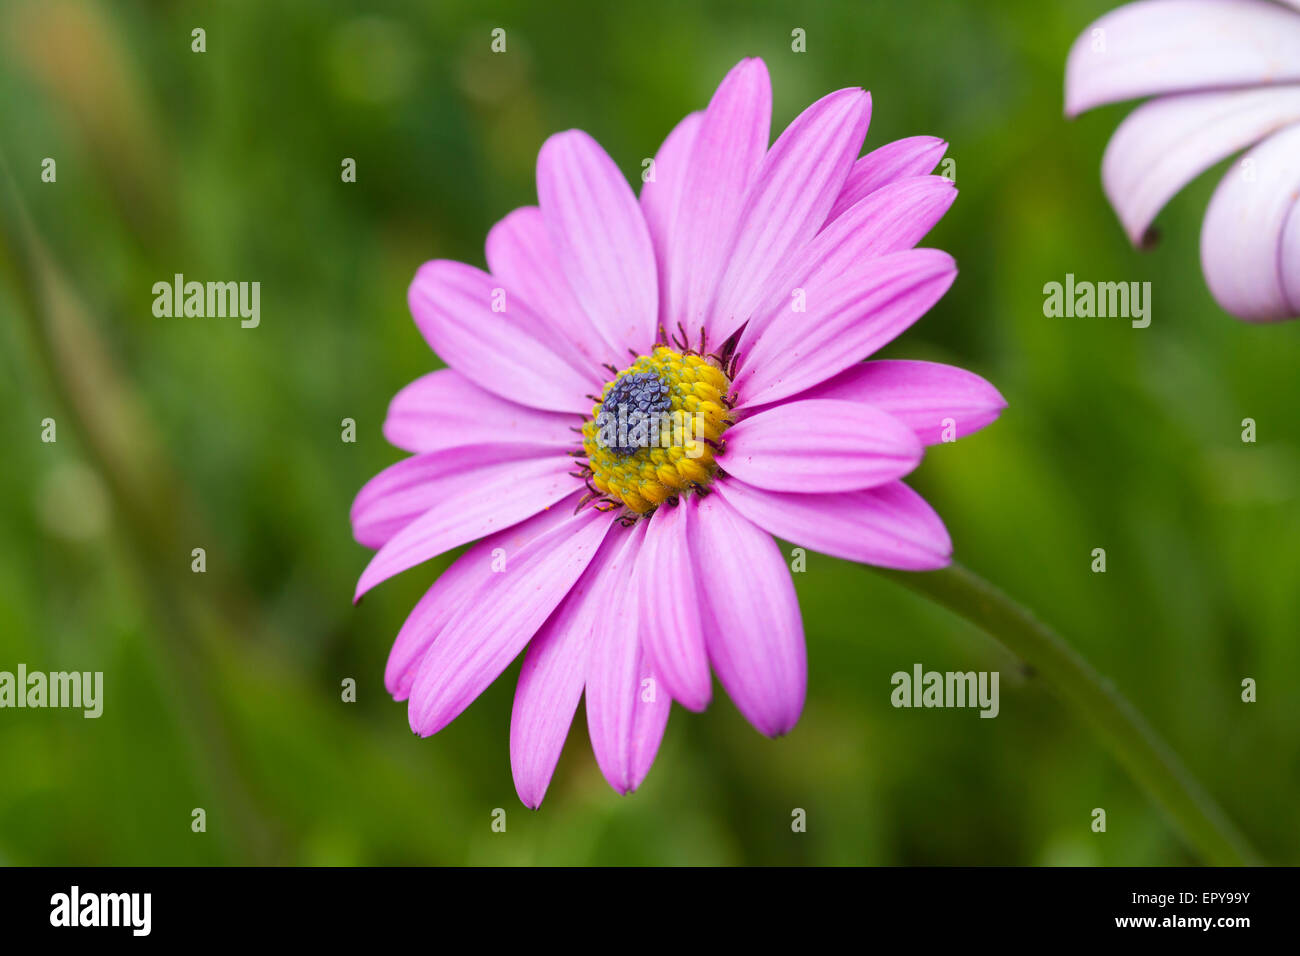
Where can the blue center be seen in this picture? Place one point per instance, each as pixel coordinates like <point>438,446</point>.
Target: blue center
<point>638,399</point>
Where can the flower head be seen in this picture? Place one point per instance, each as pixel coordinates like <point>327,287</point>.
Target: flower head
<point>1225,75</point>
<point>640,394</point>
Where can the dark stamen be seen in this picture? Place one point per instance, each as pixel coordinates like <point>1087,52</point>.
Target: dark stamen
<point>631,406</point>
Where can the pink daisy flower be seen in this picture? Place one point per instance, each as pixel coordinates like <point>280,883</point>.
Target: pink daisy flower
<point>739,296</point>
<point>1226,77</point>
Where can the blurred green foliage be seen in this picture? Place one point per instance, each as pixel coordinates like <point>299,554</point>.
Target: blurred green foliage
<point>223,690</point>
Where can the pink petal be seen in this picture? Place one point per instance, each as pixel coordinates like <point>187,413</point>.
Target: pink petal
<point>1164,144</point>
<point>751,617</point>
<point>1169,46</point>
<point>848,317</point>
<point>553,675</point>
<point>626,709</point>
<point>522,255</point>
<point>649,722</point>
<point>787,203</point>
<point>659,198</point>
<point>724,159</point>
<point>1248,251</point>
<point>431,613</point>
<point>890,526</point>
<point>670,614</point>
<point>400,493</point>
<point>454,588</point>
<point>890,219</point>
<point>469,506</point>
<point>512,353</point>
<point>444,410</point>
<point>490,629</point>
<point>901,159</point>
<point>922,395</point>
<point>602,240</point>
<point>819,446</point>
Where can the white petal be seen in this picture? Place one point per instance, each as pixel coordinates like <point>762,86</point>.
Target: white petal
<point>1248,250</point>
<point>1164,144</point>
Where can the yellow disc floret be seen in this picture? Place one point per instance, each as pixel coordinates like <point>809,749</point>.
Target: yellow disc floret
<point>653,434</point>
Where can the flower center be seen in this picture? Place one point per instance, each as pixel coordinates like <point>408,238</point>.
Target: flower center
<point>653,434</point>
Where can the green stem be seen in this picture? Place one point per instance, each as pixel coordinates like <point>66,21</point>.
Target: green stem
<point>1148,758</point>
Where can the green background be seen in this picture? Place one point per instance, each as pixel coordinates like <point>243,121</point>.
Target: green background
<point>222,690</point>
